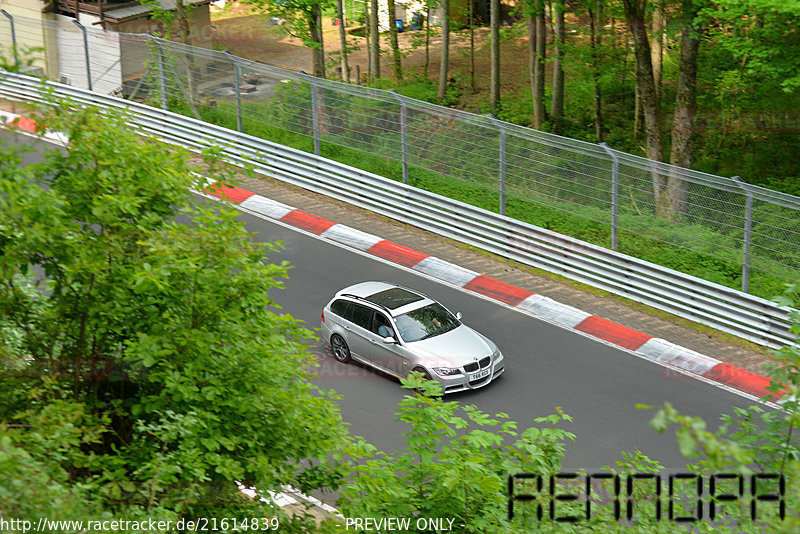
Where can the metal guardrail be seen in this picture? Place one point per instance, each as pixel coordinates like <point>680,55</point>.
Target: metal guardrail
<point>720,307</point>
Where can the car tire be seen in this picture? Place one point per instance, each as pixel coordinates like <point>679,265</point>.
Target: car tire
<point>425,374</point>
<point>340,349</point>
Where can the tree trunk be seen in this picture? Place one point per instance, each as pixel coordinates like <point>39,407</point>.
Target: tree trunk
<point>343,40</point>
<point>595,37</point>
<point>444,67</point>
<point>494,77</point>
<point>396,63</point>
<point>538,88</point>
<point>314,18</point>
<point>634,14</point>
<point>366,42</point>
<point>557,103</point>
<point>375,45</point>
<point>657,50</point>
<point>531,21</point>
<point>472,47</point>
<point>427,38</point>
<point>185,32</point>
<point>637,113</point>
<point>685,108</point>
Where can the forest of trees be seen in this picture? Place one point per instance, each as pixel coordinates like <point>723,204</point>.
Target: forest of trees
<point>711,85</point>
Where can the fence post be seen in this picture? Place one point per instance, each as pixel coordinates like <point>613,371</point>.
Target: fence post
<point>162,81</point>
<point>403,132</point>
<point>85,52</point>
<point>314,109</point>
<point>502,149</point>
<point>748,227</point>
<point>13,35</point>
<point>614,195</point>
<point>237,84</point>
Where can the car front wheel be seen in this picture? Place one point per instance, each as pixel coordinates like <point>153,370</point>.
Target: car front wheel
<point>425,374</point>
<point>340,349</point>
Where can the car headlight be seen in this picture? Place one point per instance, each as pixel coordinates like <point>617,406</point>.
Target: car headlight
<point>446,371</point>
<point>496,353</point>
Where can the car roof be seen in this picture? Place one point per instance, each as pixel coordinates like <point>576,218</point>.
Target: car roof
<point>391,297</point>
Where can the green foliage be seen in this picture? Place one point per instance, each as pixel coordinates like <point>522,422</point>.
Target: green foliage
<point>296,14</point>
<point>763,37</point>
<point>421,89</point>
<point>20,58</point>
<point>752,440</point>
<point>146,369</point>
<point>454,465</point>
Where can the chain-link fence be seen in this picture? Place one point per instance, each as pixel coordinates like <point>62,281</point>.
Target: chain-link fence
<point>718,228</point>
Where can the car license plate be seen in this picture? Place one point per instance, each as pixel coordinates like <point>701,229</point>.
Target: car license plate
<point>480,374</point>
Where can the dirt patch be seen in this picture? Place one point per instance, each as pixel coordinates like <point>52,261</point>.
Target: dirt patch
<point>250,35</point>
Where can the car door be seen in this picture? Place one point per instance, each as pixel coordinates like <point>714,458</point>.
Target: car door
<point>388,356</point>
<point>357,330</point>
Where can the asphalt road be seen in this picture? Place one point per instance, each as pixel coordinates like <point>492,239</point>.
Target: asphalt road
<point>546,366</point>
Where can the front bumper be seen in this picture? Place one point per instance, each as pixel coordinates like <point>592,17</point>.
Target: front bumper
<point>454,384</point>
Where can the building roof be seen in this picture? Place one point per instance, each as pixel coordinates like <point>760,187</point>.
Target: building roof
<point>134,12</point>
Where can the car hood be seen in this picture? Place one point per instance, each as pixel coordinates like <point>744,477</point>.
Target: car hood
<point>455,348</point>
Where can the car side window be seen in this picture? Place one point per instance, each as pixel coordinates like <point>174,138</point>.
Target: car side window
<point>359,315</point>
<point>339,307</point>
<point>382,326</point>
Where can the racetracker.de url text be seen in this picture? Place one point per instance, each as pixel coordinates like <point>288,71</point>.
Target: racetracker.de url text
<point>200,524</point>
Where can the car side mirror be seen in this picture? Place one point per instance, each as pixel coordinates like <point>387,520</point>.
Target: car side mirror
<point>389,340</point>
<point>458,315</point>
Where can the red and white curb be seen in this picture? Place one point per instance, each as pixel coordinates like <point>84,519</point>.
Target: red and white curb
<point>289,495</point>
<point>29,125</point>
<point>651,348</point>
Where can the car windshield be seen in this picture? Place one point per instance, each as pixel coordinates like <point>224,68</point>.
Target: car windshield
<point>425,322</point>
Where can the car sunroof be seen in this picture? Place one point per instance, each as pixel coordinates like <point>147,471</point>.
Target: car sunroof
<point>394,298</point>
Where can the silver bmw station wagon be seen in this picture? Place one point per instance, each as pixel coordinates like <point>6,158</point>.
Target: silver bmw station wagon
<point>398,330</point>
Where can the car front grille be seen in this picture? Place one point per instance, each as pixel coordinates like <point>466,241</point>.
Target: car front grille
<point>474,366</point>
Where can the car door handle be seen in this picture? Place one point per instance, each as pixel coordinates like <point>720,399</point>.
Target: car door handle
<point>373,341</point>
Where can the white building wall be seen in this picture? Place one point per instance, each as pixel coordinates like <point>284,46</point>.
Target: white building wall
<point>28,30</point>
<point>104,54</point>
<point>403,10</point>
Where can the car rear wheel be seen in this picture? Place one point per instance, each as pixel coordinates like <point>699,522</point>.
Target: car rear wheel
<point>340,349</point>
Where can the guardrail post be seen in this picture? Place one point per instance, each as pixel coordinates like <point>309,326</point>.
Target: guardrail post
<point>403,132</point>
<point>13,35</point>
<point>614,195</point>
<point>748,228</point>
<point>502,150</point>
<point>85,52</point>
<point>237,84</point>
<point>314,109</point>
